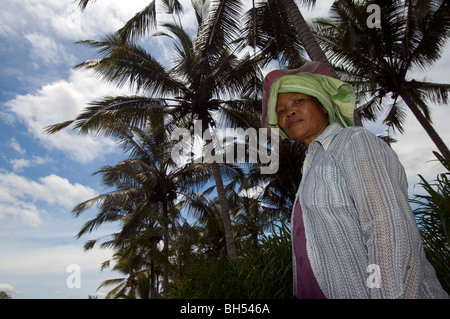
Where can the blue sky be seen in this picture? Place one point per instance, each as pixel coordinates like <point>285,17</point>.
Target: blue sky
<point>43,177</point>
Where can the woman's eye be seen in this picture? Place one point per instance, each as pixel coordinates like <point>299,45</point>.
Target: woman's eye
<point>280,112</point>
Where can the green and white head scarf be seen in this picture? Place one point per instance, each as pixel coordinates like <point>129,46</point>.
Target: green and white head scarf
<point>336,96</point>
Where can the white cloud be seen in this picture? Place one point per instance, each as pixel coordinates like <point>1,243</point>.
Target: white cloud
<point>44,27</point>
<point>63,193</point>
<point>25,213</point>
<point>415,148</point>
<point>61,101</point>
<point>41,272</point>
<point>20,197</point>
<point>45,48</point>
<point>50,260</point>
<point>19,164</point>
<point>6,287</point>
<point>16,146</point>
<point>39,35</point>
<point>64,19</point>
<point>96,20</point>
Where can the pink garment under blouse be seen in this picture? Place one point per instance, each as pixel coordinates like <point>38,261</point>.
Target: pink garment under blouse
<point>307,286</point>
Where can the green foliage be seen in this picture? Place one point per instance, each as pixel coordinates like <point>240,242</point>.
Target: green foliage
<point>433,216</point>
<point>262,272</point>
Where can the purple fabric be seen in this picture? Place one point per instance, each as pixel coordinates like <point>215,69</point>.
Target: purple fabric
<point>307,286</point>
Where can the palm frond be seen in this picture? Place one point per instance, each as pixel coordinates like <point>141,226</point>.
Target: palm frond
<point>396,117</point>
<point>93,224</point>
<point>220,28</point>
<point>145,20</point>
<point>82,4</point>
<point>201,9</point>
<point>125,62</point>
<point>267,29</point>
<point>112,114</point>
<point>186,59</point>
<point>435,92</point>
<point>171,7</point>
<point>430,31</point>
<point>140,24</point>
<point>52,129</point>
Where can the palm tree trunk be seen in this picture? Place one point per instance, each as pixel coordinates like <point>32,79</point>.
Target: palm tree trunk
<point>225,210</point>
<point>305,35</point>
<point>254,226</point>
<point>426,125</point>
<point>165,226</point>
<point>309,42</point>
<point>153,293</point>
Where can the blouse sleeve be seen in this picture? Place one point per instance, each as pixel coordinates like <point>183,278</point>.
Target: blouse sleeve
<point>377,184</point>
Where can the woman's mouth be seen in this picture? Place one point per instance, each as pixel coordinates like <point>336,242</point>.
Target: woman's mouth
<point>294,122</point>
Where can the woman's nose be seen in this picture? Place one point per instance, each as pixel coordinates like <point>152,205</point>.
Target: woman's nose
<point>290,113</point>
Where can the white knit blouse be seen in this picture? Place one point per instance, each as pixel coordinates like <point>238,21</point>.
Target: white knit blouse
<point>361,236</point>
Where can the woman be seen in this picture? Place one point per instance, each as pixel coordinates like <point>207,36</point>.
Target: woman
<point>353,232</point>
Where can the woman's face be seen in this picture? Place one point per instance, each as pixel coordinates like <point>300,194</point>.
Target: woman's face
<point>301,116</point>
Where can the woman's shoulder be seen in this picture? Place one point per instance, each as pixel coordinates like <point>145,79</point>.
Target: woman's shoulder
<point>359,133</point>
<point>359,140</point>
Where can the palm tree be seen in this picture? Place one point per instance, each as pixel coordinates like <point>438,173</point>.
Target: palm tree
<point>136,284</point>
<point>279,190</point>
<point>251,217</point>
<point>211,241</point>
<point>139,260</point>
<point>145,187</point>
<point>207,79</point>
<point>380,61</point>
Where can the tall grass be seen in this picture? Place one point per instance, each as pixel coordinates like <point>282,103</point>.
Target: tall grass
<point>263,272</point>
<point>433,216</point>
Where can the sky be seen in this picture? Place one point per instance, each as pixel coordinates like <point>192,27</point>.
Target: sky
<point>43,177</point>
